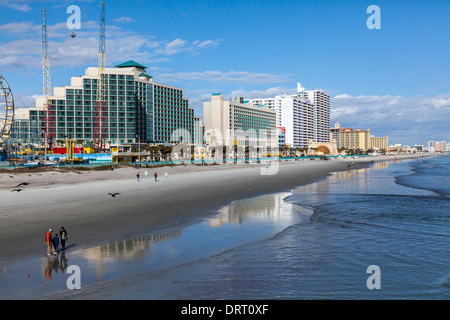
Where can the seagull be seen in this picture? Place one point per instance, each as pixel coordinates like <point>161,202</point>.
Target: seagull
<point>22,184</point>
<point>18,190</point>
<point>113,194</point>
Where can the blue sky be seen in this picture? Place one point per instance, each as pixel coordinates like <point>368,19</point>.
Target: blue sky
<point>393,81</point>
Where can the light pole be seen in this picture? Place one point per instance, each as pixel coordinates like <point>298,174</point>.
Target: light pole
<point>139,148</point>
<point>45,143</point>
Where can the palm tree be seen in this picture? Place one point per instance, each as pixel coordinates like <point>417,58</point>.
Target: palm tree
<point>165,151</point>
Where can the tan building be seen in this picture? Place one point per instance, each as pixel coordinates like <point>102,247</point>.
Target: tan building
<point>379,143</point>
<point>354,139</point>
<point>238,122</point>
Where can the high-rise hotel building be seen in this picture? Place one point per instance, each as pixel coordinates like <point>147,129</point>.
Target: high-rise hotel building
<point>137,108</point>
<point>295,115</point>
<point>321,112</point>
<point>305,115</point>
<point>238,122</point>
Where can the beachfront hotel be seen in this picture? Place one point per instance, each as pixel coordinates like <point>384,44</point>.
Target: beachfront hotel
<point>354,139</point>
<point>304,115</point>
<point>238,122</point>
<point>137,108</point>
<point>334,133</point>
<point>379,143</point>
<point>348,138</point>
<point>321,112</point>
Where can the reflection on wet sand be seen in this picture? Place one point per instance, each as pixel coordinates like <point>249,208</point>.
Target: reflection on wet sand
<point>125,250</point>
<point>324,186</point>
<point>53,265</point>
<point>269,207</point>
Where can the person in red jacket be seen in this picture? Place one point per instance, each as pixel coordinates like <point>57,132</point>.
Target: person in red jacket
<point>50,246</point>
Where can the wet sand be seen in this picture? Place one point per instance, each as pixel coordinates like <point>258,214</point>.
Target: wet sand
<point>81,202</point>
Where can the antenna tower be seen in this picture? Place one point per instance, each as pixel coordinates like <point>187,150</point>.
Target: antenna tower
<point>100,125</point>
<point>49,125</point>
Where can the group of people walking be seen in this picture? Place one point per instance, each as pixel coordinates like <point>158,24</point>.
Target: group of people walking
<point>155,175</point>
<point>54,241</point>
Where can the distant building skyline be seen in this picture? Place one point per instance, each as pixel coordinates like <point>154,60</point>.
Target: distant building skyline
<point>439,146</point>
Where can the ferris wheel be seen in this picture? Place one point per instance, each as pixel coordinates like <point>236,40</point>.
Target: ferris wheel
<point>6,110</point>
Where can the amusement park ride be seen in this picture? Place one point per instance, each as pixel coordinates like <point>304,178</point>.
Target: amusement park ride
<point>6,117</point>
<point>70,154</point>
<point>100,119</point>
<point>48,125</point>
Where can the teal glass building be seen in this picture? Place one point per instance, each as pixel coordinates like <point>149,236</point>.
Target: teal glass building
<point>137,108</point>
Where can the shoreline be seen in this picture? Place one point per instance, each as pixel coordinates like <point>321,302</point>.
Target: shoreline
<point>93,217</point>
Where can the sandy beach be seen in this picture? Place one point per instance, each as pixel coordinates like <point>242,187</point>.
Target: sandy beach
<point>83,204</point>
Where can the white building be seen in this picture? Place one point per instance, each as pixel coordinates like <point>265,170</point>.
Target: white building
<point>238,122</point>
<point>439,146</point>
<point>321,113</point>
<point>305,115</point>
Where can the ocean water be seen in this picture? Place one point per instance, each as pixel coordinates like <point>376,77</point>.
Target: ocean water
<point>315,242</point>
<point>375,216</point>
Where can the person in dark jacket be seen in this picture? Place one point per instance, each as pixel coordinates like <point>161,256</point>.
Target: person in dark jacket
<point>63,236</point>
<point>56,242</point>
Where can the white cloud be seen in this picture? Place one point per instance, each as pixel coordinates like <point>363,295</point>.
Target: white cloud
<point>24,5</point>
<point>342,96</point>
<point>20,5</point>
<point>178,45</point>
<point>404,120</point>
<point>25,50</point>
<point>226,77</point>
<point>22,100</point>
<point>268,93</point>
<point>173,47</point>
<point>441,101</point>
<point>196,99</point>
<point>25,28</point>
<point>207,43</point>
<point>123,19</point>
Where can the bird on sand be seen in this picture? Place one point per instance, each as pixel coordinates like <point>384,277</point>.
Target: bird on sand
<point>113,194</point>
